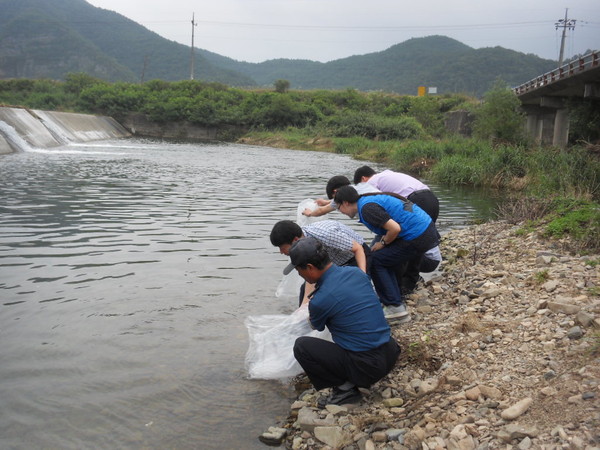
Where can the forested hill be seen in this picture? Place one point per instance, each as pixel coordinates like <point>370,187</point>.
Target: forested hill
<point>48,39</point>
<point>434,61</point>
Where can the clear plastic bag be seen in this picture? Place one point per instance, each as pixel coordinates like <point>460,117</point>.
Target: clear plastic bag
<point>303,220</point>
<point>290,285</point>
<point>270,354</point>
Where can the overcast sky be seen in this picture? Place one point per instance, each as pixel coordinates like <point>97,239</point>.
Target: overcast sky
<point>324,30</point>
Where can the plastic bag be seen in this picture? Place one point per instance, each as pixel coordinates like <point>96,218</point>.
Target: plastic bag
<point>270,354</point>
<point>303,220</point>
<point>290,285</point>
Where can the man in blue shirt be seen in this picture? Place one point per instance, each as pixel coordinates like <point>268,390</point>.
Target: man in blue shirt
<point>363,350</point>
<point>406,231</point>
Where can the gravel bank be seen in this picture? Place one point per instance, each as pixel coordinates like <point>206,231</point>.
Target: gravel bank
<point>503,352</point>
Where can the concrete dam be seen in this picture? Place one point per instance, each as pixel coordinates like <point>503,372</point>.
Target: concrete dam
<point>22,129</point>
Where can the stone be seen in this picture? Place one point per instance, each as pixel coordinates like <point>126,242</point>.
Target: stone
<point>333,436</point>
<point>564,308</point>
<point>575,333</point>
<point>473,393</point>
<point>490,392</point>
<point>584,319</point>
<point>308,419</point>
<point>517,409</point>
<point>337,410</point>
<point>393,402</point>
<point>273,436</point>
<point>550,286</point>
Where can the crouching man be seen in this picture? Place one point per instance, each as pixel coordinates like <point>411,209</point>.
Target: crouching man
<point>363,350</point>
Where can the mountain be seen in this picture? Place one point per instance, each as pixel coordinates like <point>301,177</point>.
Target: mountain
<point>434,61</point>
<point>42,38</point>
<point>48,39</point>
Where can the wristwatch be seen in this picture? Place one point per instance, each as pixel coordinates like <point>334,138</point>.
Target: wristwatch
<point>382,242</point>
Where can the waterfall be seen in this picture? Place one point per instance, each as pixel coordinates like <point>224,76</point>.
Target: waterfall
<point>55,130</point>
<point>16,142</point>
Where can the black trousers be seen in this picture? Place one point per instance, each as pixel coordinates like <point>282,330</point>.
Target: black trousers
<point>328,365</point>
<point>408,273</point>
<point>427,201</point>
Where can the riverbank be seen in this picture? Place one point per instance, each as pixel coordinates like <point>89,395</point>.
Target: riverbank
<point>503,352</point>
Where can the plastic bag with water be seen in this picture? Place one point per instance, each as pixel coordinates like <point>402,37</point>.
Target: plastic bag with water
<point>289,286</point>
<point>270,354</point>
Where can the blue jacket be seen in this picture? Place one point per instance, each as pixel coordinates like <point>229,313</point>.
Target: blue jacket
<point>413,220</point>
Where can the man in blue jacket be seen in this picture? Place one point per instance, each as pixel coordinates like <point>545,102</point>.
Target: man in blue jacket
<point>363,350</point>
<point>407,233</point>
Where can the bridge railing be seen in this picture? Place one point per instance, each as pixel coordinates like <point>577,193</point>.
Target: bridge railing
<point>574,67</point>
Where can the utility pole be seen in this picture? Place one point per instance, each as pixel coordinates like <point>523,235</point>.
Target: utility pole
<point>194,24</point>
<point>564,24</point>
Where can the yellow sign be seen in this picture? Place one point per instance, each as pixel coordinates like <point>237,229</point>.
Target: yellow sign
<point>421,91</point>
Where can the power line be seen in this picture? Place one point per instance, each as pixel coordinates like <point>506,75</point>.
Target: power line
<point>565,24</point>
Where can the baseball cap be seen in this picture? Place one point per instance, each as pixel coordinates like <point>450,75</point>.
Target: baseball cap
<point>303,251</point>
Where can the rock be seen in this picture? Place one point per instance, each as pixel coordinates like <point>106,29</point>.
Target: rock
<point>564,308</point>
<point>550,286</point>
<point>584,319</point>
<point>333,436</point>
<point>517,409</point>
<point>515,431</point>
<point>337,410</point>
<point>473,393</point>
<point>308,419</point>
<point>274,436</point>
<point>575,333</point>
<point>490,392</point>
<point>393,402</point>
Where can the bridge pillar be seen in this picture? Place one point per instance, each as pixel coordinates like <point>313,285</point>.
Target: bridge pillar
<point>561,128</point>
<point>540,124</point>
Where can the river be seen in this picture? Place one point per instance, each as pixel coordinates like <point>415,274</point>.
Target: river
<point>127,268</point>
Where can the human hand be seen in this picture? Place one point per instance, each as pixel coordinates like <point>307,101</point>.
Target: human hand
<point>377,246</point>
<point>307,212</point>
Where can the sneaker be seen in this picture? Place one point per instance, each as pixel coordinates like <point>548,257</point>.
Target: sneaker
<point>339,397</point>
<point>395,312</point>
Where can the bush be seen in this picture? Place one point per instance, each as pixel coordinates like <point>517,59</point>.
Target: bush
<point>500,116</point>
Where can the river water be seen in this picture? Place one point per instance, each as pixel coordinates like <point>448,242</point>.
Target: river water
<point>127,269</point>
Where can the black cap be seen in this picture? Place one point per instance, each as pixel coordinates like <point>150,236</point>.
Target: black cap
<point>302,252</point>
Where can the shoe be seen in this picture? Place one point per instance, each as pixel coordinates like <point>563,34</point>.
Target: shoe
<point>395,312</point>
<point>339,397</point>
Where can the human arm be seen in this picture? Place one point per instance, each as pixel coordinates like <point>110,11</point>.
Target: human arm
<point>308,289</point>
<point>359,256</point>
<point>392,229</point>
<point>320,211</point>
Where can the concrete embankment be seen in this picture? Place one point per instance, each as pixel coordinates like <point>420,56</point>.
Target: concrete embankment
<point>21,128</point>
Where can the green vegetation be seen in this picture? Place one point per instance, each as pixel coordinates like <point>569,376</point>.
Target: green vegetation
<point>559,188</point>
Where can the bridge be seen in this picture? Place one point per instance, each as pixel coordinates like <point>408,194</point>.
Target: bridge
<point>545,98</point>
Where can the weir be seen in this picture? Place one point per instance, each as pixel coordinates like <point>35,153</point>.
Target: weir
<point>22,128</point>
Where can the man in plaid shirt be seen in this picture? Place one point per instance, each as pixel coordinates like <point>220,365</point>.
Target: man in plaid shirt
<point>344,246</point>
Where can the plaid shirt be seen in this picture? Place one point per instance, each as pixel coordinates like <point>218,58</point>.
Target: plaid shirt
<point>336,237</point>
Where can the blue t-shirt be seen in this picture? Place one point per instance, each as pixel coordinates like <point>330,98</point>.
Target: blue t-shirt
<point>413,221</point>
<point>346,303</point>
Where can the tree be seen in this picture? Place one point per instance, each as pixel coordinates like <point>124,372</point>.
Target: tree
<point>282,86</point>
<point>500,117</point>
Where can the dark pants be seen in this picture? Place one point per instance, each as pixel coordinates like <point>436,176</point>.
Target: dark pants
<point>350,262</point>
<point>408,273</point>
<point>386,261</point>
<point>427,201</point>
<point>327,364</point>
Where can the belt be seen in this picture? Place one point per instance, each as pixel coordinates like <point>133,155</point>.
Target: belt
<point>420,191</point>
